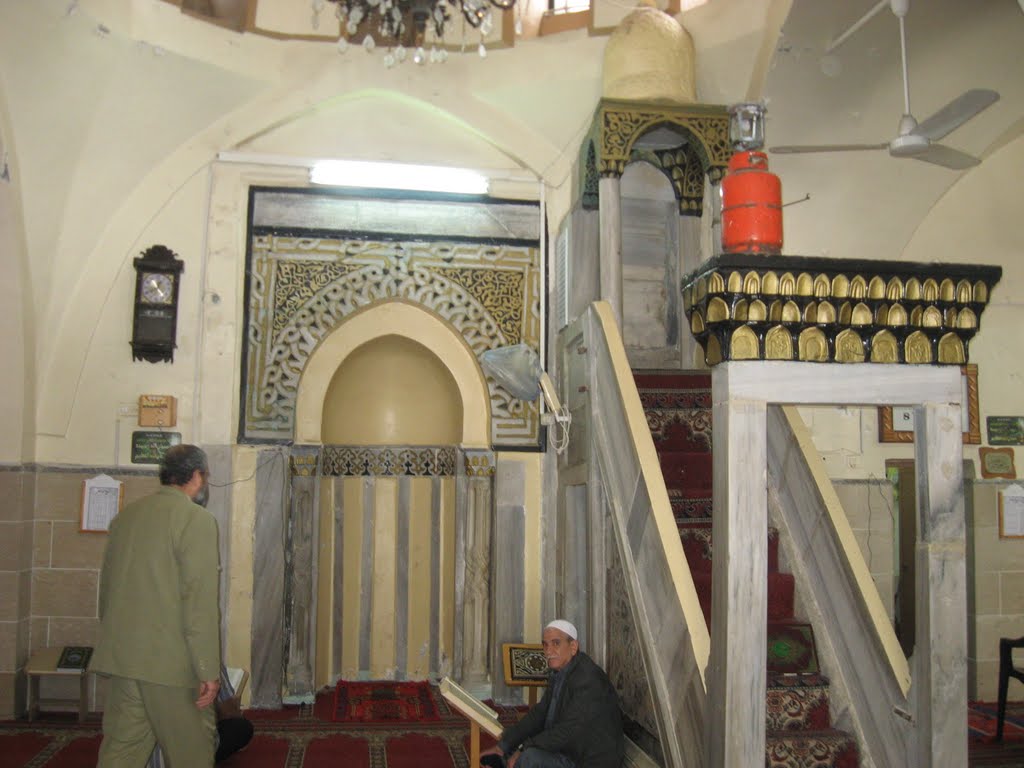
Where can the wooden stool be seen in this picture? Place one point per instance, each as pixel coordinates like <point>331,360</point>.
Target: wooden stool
<point>44,664</point>
<point>525,666</point>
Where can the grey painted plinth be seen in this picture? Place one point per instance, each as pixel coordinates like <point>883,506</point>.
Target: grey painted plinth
<point>508,587</point>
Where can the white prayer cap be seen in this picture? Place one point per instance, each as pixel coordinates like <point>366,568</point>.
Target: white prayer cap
<point>564,626</point>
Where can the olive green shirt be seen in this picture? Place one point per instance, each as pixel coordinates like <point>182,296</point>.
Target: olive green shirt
<point>159,609</point>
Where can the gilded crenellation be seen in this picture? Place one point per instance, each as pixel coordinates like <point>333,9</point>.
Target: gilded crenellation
<point>756,307</point>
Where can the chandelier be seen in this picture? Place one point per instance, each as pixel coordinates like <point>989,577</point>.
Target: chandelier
<point>403,24</point>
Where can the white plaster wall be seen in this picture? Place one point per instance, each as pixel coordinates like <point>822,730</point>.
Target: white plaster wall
<point>16,380</point>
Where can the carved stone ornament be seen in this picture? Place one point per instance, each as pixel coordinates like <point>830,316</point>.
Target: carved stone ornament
<point>704,148</point>
<point>744,306</point>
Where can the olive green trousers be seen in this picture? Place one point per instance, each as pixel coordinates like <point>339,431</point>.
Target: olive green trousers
<point>138,715</point>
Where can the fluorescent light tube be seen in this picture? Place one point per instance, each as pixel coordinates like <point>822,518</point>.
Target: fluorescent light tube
<point>426,178</point>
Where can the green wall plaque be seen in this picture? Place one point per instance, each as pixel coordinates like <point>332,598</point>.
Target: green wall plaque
<point>1005,430</point>
<point>149,447</point>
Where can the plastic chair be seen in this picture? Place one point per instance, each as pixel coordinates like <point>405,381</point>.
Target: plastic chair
<point>1006,671</point>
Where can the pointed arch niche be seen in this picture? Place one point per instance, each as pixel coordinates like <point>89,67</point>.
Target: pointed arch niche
<point>391,409</point>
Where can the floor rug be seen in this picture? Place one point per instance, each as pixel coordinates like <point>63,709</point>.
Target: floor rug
<point>307,737</point>
<point>981,721</point>
<point>384,702</point>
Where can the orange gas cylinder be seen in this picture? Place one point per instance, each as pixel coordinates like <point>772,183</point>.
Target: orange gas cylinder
<point>751,205</point>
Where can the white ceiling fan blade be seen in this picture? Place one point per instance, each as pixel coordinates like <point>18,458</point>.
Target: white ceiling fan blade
<point>947,157</point>
<point>798,149</point>
<point>956,113</point>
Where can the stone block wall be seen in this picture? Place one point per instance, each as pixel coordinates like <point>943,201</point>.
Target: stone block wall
<point>16,506</point>
<point>995,572</point>
<point>49,571</point>
<point>995,600</point>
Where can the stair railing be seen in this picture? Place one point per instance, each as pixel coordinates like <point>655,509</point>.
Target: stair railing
<point>856,640</point>
<point>671,630</point>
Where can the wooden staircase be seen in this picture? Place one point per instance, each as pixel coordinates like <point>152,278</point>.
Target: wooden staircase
<point>798,718</point>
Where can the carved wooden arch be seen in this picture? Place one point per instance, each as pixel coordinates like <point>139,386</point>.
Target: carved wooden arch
<point>617,126</point>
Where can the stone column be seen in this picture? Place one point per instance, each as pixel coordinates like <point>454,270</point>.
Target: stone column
<point>476,596</point>
<point>737,676</point>
<point>300,575</point>
<point>940,657</point>
<point>610,212</point>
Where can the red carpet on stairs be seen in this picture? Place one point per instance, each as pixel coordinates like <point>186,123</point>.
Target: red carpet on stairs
<point>678,410</point>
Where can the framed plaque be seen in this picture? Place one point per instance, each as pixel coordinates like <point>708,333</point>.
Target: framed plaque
<point>997,462</point>
<point>150,447</point>
<point>1005,430</point>
<point>896,423</point>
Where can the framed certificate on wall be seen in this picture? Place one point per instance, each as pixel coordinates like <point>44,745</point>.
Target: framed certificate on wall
<point>102,499</point>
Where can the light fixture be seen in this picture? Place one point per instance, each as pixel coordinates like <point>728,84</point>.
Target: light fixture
<point>403,24</point>
<point>746,126</point>
<point>517,368</point>
<point>423,178</point>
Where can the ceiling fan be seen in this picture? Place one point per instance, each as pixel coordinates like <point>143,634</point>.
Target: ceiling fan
<point>916,140</point>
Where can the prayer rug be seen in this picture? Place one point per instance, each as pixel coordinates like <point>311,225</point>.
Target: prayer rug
<point>384,702</point>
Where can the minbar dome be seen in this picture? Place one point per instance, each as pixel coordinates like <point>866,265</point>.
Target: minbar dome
<point>649,57</point>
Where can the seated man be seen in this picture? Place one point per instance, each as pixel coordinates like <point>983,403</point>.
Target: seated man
<point>576,724</point>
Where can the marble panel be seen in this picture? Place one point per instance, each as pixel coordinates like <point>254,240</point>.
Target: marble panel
<point>74,549</point>
<point>59,495</point>
<point>64,592</point>
<point>268,582</point>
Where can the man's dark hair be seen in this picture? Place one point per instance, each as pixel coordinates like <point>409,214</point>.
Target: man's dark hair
<point>180,463</point>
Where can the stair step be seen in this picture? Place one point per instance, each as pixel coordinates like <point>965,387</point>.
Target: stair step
<point>811,749</point>
<point>781,591</point>
<point>688,509</point>
<point>696,539</point>
<point>797,702</point>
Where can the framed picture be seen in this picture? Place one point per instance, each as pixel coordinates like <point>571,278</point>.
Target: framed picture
<point>896,424</point>
<point>997,462</point>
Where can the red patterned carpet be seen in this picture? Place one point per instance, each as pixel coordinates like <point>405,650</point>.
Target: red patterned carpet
<point>308,737</point>
<point>432,736</point>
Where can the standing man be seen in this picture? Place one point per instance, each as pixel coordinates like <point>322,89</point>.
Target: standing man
<point>160,622</point>
<point>577,723</point>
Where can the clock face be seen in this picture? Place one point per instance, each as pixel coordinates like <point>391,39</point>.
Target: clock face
<point>157,288</point>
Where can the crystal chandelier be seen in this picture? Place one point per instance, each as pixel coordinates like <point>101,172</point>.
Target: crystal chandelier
<point>403,24</point>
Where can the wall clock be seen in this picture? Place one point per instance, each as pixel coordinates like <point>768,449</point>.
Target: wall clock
<point>155,322</point>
